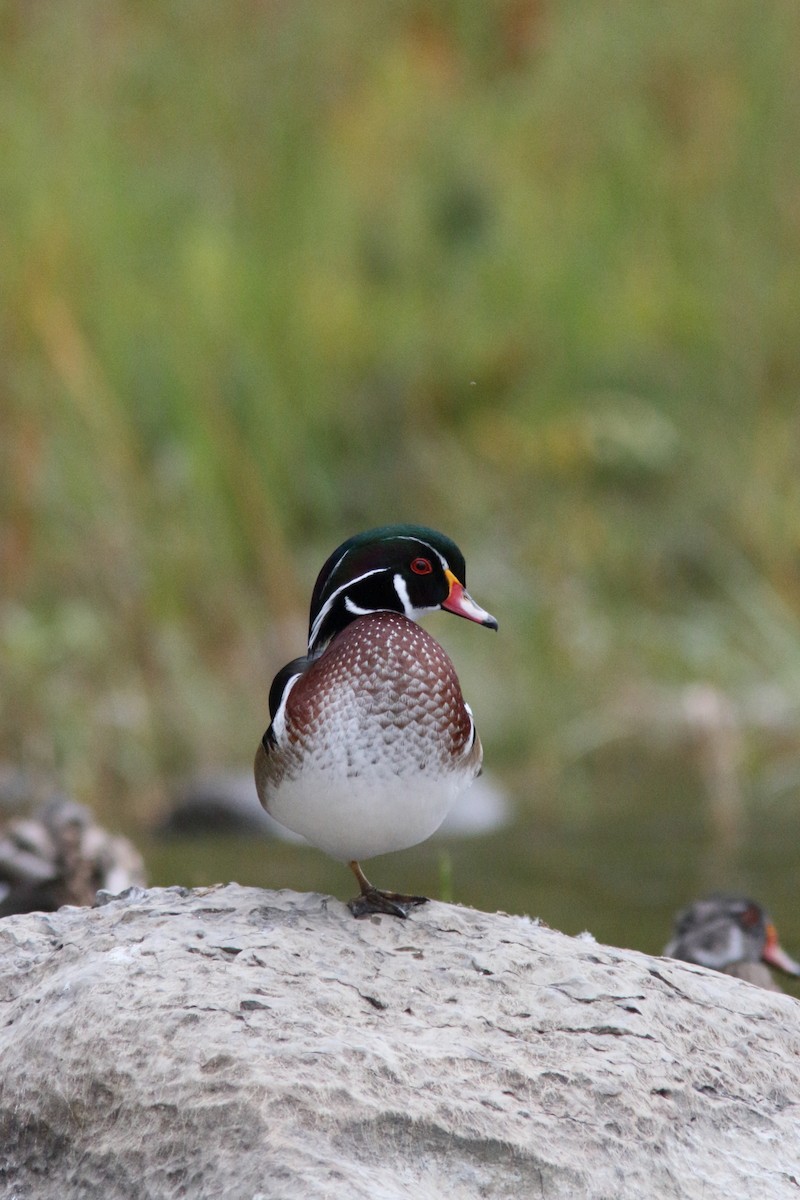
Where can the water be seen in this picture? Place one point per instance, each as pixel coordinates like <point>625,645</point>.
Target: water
<point>622,841</point>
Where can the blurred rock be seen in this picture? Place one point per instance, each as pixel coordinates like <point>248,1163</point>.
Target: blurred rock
<point>483,808</point>
<point>244,1043</point>
<point>223,803</point>
<point>58,855</point>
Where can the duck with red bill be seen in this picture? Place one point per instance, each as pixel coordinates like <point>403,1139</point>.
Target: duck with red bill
<point>733,934</point>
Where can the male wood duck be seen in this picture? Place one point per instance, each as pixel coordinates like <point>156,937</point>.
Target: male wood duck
<point>730,934</point>
<point>371,740</point>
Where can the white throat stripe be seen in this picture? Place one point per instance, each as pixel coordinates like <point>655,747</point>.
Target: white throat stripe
<point>354,608</point>
<point>326,608</point>
<point>401,588</point>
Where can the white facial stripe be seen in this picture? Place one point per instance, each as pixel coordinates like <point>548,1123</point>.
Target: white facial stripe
<point>338,562</point>
<point>326,608</point>
<point>354,609</point>
<point>421,541</point>
<point>279,720</point>
<point>737,945</point>
<point>715,950</point>
<point>402,592</point>
<point>411,612</point>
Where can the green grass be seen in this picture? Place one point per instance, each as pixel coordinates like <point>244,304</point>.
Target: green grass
<point>525,271</point>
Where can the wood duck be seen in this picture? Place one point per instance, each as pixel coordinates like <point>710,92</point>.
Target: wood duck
<point>371,740</point>
<point>59,855</point>
<point>730,934</point>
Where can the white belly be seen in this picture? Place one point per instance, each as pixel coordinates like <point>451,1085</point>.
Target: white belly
<point>351,819</point>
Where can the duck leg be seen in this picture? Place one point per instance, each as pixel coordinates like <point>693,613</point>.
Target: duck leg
<point>373,900</point>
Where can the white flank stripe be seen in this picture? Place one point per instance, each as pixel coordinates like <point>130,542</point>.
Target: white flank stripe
<point>279,720</point>
<point>471,739</point>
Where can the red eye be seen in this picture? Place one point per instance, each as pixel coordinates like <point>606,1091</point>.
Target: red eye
<point>421,566</point>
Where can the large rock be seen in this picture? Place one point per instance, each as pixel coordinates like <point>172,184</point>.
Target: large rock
<point>240,1043</point>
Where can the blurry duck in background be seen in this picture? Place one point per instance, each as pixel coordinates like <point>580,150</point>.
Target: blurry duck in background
<point>731,934</point>
<point>58,855</point>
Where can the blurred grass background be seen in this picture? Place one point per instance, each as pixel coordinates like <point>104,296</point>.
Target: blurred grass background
<point>527,271</point>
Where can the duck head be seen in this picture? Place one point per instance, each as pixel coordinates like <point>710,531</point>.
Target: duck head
<point>721,931</point>
<point>408,569</point>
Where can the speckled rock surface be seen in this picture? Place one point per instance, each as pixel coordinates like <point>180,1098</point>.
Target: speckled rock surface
<point>246,1044</point>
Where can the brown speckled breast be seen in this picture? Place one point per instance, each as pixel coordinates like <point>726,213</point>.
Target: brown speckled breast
<point>383,699</point>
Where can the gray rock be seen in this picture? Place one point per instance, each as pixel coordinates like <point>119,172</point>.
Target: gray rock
<point>238,1043</point>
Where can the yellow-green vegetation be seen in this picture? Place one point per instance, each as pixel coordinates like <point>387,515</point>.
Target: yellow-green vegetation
<point>525,270</point>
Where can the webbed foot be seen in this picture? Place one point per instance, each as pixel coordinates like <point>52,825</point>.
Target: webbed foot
<point>373,900</point>
<point>394,904</point>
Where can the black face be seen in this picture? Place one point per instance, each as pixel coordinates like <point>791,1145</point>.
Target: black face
<point>400,568</point>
